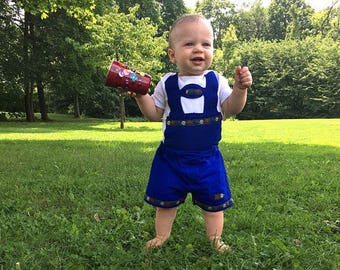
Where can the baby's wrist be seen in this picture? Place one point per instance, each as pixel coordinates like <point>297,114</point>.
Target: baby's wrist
<point>241,88</point>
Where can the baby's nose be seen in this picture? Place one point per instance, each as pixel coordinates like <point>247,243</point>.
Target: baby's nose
<point>198,47</point>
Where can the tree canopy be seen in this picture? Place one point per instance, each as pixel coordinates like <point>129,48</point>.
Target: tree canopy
<point>54,54</point>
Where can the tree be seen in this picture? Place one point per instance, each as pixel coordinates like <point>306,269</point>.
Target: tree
<point>326,23</point>
<point>69,77</point>
<point>81,10</point>
<point>221,13</point>
<point>225,59</point>
<point>33,61</point>
<point>147,9</point>
<point>170,11</point>
<point>300,25</point>
<point>253,23</point>
<point>292,78</point>
<point>11,96</point>
<point>289,18</point>
<point>124,38</point>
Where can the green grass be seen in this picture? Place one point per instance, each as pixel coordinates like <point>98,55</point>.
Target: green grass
<point>71,197</point>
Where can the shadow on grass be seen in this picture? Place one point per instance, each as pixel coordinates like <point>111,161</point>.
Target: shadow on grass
<point>52,127</point>
<point>84,200</point>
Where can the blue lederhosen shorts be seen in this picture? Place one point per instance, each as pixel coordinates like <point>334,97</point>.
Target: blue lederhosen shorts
<point>175,173</point>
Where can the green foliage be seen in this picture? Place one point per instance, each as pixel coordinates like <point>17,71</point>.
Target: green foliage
<point>300,26</point>
<point>220,12</point>
<point>171,10</point>
<point>81,10</point>
<point>296,79</point>
<point>227,58</point>
<point>11,96</point>
<point>326,23</point>
<point>70,44</point>
<point>124,38</point>
<point>253,23</point>
<point>147,9</point>
<point>61,62</point>
<point>289,18</point>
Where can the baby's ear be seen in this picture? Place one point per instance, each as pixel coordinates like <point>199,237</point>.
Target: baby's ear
<point>171,54</point>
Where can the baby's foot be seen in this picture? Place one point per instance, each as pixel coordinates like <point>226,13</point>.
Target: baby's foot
<point>223,247</point>
<point>220,246</point>
<point>154,243</point>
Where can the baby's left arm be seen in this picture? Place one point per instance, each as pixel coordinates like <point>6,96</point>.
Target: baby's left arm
<point>235,103</point>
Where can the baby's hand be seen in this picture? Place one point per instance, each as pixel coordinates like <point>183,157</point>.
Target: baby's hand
<point>123,92</point>
<point>243,78</point>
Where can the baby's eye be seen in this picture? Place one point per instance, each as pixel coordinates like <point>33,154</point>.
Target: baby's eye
<point>189,44</point>
<point>206,44</point>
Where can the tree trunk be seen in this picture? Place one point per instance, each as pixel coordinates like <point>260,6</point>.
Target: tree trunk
<point>29,102</point>
<point>76,106</point>
<point>36,59</point>
<point>42,102</point>
<point>122,110</point>
<point>28,87</point>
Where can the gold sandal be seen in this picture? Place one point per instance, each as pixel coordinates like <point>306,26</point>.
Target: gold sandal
<point>220,246</point>
<point>223,247</point>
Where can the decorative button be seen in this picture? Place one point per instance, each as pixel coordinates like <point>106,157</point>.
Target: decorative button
<point>134,76</point>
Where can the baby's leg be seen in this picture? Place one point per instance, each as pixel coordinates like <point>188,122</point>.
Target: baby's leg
<point>214,228</point>
<point>163,224</point>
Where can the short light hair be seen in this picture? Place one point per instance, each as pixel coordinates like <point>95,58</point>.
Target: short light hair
<point>185,19</point>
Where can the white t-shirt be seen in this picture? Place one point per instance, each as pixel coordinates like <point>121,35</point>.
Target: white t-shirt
<point>189,105</point>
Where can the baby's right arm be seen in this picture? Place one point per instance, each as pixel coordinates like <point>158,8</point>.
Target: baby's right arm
<point>148,108</point>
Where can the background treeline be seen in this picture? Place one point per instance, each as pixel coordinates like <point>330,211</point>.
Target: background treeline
<point>54,54</point>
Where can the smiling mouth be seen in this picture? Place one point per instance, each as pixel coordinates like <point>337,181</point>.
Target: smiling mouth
<point>197,59</point>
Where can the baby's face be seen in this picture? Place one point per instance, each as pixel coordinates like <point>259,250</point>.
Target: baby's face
<point>191,47</point>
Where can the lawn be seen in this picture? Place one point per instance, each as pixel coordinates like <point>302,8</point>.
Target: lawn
<point>71,197</point>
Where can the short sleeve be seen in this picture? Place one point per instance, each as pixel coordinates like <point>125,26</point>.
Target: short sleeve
<point>223,88</point>
<point>159,95</point>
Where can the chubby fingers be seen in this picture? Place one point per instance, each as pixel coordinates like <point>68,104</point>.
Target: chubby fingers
<point>124,92</point>
<point>243,78</point>
<point>131,94</point>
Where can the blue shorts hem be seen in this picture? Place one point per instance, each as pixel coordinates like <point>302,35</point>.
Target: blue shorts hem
<point>163,204</point>
<point>215,208</point>
<point>173,204</point>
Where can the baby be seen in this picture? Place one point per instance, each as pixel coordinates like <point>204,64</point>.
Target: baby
<point>192,104</point>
